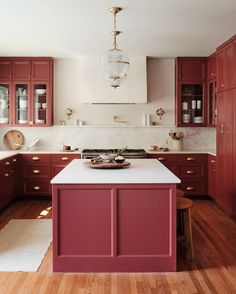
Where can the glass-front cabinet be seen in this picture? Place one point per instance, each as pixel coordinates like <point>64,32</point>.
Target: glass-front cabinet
<point>212,104</point>
<point>41,103</point>
<point>192,105</point>
<point>22,103</point>
<point>5,103</point>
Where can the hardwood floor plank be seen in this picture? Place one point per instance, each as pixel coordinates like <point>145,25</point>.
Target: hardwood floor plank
<point>213,270</point>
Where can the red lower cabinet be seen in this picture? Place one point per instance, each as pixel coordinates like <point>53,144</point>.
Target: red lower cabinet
<point>212,176</point>
<point>59,161</point>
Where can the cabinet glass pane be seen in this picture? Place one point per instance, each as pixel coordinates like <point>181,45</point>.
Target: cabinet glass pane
<point>212,103</point>
<point>192,103</point>
<point>40,103</point>
<point>4,104</point>
<point>22,103</point>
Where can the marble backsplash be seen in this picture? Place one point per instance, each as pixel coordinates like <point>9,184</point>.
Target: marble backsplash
<point>51,138</point>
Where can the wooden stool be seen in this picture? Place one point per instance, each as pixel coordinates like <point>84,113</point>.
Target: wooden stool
<point>184,224</point>
<point>180,193</point>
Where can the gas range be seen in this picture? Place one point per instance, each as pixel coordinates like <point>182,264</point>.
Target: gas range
<point>128,153</point>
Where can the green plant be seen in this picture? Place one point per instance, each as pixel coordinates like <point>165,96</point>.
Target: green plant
<point>121,151</point>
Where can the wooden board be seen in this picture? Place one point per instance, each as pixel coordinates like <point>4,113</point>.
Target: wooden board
<point>12,138</point>
<point>109,165</point>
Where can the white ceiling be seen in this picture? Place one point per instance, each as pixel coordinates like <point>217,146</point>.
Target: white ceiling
<point>70,28</point>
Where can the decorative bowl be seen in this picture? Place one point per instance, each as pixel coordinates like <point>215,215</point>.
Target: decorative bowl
<point>119,159</point>
<point>107,157</point>
<point>40,91</point>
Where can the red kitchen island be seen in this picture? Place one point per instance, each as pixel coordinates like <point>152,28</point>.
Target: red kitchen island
<point>120,220</point>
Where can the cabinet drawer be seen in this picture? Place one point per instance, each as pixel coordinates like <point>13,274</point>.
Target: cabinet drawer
<point>38,170</point>
<point>34,158</point>
<point>37,187</point>
<point>164,158</point>
<point>191,158</point>
<point>64,157</point>
<point>194,187</point>
<point>192,171</point>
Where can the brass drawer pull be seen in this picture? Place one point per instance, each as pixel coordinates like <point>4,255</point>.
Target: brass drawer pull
<point>36,188</point>
<point>36,171</point>
<point>35,158</point>
<point>14,160</point>
<point>190,158</point>
<point>161,158</point>
<point>6,175</point>
<point>64,158</point>
<point>190,188</point>
<point>213,161</point>
<point>190,172</point>
<point>7,163</point>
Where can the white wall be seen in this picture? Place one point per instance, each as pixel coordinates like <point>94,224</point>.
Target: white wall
<point>100,131</point>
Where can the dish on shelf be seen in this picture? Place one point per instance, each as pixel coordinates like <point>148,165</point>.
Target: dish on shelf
<point>40,91</point>
<point>4,120</point>
<point>22,121</point>
<point>40,121</point>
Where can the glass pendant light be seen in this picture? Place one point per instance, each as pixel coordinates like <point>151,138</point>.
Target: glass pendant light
<point>115,63</point>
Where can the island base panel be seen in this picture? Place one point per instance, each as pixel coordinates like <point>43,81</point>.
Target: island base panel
<point>114,228</point>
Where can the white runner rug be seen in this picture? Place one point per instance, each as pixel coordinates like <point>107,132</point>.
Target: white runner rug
<point>24,243</point>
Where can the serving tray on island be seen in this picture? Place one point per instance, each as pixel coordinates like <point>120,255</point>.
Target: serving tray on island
<point>109,165</point>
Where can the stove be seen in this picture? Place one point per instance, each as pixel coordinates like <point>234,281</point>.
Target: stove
<point>128,153</point>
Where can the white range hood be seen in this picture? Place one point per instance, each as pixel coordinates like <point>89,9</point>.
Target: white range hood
<point>94,89</point>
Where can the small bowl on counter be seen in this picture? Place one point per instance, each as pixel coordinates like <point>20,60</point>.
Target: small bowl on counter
<point>107,157</point>
<point>119,159</point>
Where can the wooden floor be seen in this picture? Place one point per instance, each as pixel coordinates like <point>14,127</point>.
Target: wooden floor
<point>213,270</point>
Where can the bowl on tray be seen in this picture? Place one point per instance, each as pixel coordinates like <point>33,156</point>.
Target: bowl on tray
<point>107,157</point>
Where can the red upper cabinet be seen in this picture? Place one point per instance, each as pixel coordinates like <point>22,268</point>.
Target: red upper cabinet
<point>211,67</point>
<point>21,69</point>
<point>41,69</point>
<point>191,100</point>
<point>192,69</point>
<point>5,69</point>
<point>226,69</point>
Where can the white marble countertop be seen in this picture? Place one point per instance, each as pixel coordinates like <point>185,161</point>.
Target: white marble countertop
<point>6,154</point>
<point>208,151</point>
<point>141,171</point>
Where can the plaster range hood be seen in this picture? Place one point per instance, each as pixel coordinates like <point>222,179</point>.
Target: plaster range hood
<point>94,89</point>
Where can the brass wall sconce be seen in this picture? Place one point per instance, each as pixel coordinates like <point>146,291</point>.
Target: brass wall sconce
<point>68,112</point>
<point>160,112</point>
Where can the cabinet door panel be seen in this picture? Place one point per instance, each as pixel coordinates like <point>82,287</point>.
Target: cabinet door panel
<point>211,67</point>
<point>5,69</point>
<point>192,70</point>
<point>41,69</point>
<point>22,69</point>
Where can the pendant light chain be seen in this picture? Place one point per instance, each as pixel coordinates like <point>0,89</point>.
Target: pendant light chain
<point>114,32</point>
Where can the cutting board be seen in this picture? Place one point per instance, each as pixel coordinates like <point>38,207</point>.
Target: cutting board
<point>12,138</point>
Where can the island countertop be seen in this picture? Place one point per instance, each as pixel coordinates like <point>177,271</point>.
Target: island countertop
<point>141,171</point>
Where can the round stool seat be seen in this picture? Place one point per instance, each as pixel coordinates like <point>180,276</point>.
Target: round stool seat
<point>183,203</point>
<point>180,193</point>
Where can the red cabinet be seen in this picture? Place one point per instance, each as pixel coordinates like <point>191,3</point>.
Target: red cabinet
<point>169,160</point>
<point>226,69</point>
<point>192,69</point>
<point>36,174</point>
<point>211,67</point>
<point>59,161</point>
<point>5,69</point>
<point>225,149</point>
<point>28,92</point>
<point>212,175</point>
<point>9,176</point>
<point>191,99</point>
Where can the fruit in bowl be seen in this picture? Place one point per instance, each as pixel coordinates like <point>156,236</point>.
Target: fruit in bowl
<point>107,157</point>
<point>119,159</point>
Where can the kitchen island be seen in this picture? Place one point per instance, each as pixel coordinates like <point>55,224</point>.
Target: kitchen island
<point>121,220</point>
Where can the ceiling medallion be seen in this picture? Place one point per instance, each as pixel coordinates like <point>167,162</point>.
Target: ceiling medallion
<point>115,63</point>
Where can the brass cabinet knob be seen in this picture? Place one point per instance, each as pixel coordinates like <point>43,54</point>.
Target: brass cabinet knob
<point>190,172</point>
<point>6,175</point>
<point>213,161</point>
<point>14,160</point>
<point>190,158</point>
<point>190,188</point>
<point>36,188</point>
<point>35,158</point>
<point>64,158</point>
<point>7,163</point>
<point>161,158</point>
<point>36,171</point>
